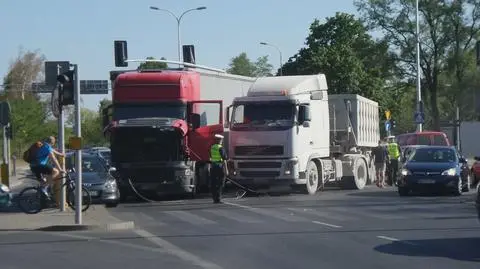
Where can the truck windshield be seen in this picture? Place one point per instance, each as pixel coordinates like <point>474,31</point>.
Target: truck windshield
<point>271,115</point>
<point>161,110</point>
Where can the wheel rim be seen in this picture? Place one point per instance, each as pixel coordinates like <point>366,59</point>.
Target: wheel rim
<point>312,180</point>
<point>361,176</point>
<point>460,187</point>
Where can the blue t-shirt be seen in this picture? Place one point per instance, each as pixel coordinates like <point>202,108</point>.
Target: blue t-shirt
<point>43,154</point>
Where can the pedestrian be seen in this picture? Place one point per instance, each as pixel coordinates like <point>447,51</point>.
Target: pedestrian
<point>380,156</point>
<point>394,153</point>
<point>218,159</point>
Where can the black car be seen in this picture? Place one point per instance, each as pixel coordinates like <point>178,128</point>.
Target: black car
<point>434,168</point>
<point>97,178</point>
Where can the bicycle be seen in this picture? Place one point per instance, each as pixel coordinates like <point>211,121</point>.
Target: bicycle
<point>45,202</point>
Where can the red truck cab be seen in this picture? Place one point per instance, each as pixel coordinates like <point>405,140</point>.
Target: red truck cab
<point>157,137</point>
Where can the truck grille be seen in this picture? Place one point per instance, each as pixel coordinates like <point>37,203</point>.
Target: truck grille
<point>145,122</point>
<point>258,150</point>
<point>257,174</point>
<point>259,165</point>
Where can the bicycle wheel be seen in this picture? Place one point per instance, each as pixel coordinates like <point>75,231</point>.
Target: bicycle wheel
<point>86,198</point>
<point>26,199</point>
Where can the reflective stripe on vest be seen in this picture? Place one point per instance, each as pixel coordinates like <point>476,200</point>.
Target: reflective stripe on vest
<point>393,151</point>
<point>215,153</point>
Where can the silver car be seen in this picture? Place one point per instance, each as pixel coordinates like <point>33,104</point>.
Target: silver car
<point>97,178</point>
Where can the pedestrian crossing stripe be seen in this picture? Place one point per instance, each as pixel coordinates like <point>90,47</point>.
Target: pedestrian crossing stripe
<point>251,215</point>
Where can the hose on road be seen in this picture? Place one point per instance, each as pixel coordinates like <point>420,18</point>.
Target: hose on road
<point>239,194</point>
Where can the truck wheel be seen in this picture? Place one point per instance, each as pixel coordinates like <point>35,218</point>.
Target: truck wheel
<point>360,175</point>
<point>312,178</point>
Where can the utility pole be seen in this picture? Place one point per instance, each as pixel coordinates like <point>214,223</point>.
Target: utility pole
<point>419,92</point>
<point>78,152</point>
<point>61,144</point>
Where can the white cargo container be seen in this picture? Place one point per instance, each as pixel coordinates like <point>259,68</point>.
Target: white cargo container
<point>288,131</point>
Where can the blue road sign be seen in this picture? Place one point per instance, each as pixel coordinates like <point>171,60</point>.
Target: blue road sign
<point>419,117</point>
<point>388,125</point>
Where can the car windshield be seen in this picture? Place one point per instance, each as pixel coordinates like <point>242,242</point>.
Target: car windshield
<point>105,154</point>
<point>89,164</point>
<point>161,110</point>
<point>271,114</point>
<point>430,155</point>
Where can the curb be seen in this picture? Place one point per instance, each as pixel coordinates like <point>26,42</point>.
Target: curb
<point>127,225</point>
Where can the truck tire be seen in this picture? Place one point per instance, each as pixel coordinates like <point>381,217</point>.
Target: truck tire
<point>312,178</point>
<point>359,178</point>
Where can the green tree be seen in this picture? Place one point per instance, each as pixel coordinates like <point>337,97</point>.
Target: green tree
<point>153,65</point>
<point>352,61</point>
<point>243,66</point>
<point>447,31</point>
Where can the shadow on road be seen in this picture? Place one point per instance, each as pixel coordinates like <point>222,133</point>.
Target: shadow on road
<point>462,249</point>
<point>393,193</point>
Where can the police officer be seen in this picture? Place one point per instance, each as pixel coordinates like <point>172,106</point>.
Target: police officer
<point>394,155</point>
<point>218,158</point>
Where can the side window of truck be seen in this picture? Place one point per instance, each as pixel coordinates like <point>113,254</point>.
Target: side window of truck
<point>209,113</point>
<point>439,140</point>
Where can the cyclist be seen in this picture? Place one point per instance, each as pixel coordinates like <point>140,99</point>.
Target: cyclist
<point>41,166</point>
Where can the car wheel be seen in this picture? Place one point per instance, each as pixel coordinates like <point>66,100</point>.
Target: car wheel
<point>458,189</point>
<point>111,204</point>
<point>466,187</point>
<point>402,191</point>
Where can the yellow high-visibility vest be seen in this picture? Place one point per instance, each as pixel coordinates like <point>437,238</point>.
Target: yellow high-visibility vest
<point>215,155</point>
<point>393,151</point>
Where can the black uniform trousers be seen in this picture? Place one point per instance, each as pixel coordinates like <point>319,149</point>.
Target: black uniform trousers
<point>217,181</point>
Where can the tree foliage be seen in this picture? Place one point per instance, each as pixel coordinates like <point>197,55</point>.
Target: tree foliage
<point>243,66</point>
<point>352,61</point>
<point>153,65</point>
<point>447,31</point>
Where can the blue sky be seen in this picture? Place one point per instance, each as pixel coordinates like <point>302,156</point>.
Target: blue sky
<point>83,31</point>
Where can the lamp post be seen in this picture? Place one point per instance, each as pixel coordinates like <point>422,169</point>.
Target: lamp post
<point>419,92</point>
<point>279,52</point>
<point>179,19</point>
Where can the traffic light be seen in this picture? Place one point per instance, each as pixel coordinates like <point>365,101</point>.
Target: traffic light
<point>67,88</point>
<point>393,123</point>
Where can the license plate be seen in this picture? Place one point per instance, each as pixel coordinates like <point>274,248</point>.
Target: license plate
<point>426,181</point>
<point>93,193</point>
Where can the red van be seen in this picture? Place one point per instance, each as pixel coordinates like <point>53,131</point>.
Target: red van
<point>429,138</point>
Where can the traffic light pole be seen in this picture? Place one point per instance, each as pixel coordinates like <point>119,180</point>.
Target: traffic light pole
<point>61,145</point>
<point>78,153</point>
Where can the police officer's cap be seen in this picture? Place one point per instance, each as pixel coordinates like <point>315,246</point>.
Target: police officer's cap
<point>219,136</point>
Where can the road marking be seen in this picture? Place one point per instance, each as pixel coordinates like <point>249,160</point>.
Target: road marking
<point>230,214</point>
<point>112,242</point>
<point>396,240</point>
<point>326,224</point>
<point>176,251</point>
<point>189,217</point>
<point>271,213</point>
<point>321,214</point>
<point>150,219</point>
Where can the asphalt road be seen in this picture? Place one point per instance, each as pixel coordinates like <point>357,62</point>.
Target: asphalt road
<point>337,229</point>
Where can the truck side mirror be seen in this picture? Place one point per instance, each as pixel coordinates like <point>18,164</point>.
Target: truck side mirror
<point>195,120</point>
<point>304,115</point>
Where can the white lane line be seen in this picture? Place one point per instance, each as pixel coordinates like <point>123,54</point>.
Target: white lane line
<point>326,224</point>
<point>112,242</point>
<point>176,251</point>
<point>241,206</point>
<point>273,213</point>
<point>395,240</point>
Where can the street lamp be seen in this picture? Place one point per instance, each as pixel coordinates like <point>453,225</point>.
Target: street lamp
<point>279,52</point>
<point>179,19</point>
<point>419,92</point>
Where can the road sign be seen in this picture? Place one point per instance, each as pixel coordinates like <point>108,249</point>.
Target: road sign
<point>419,117</point>
<point>51,71</point>
<point>94,86</point>
<point>42,88</point>
<point>388,126</point>
<point>388,114</point>
<point>4,113</point>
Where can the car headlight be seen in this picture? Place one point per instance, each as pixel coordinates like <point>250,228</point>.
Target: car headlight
<point>186,172</point>
<point>111,184</point>
<point>4,188</point>
<point>405,172</point>
<point>449,172</point>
